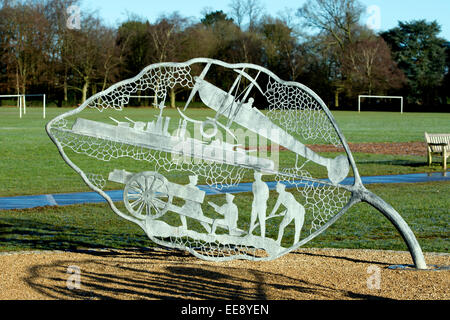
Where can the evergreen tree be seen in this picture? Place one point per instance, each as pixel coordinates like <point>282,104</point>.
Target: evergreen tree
<point>420,54</point>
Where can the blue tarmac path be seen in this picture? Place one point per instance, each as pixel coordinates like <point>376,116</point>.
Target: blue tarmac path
<point>61,199</point>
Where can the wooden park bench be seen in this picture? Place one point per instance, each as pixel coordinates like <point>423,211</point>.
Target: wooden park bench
<point>438,143</point>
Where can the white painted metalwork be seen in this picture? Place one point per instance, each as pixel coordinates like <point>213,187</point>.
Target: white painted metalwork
<point>159,161</point>
<point>294,211</point>
<point>259,205</point>
<point>380,97</point>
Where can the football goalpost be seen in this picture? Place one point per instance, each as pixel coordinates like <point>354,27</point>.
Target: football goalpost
<point>35,95</point>
<point>380,97</point>
<point>21,102</point>
<point>142,97</point>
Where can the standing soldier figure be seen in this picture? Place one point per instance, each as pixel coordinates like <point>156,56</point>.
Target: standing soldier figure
<point>259,206</point>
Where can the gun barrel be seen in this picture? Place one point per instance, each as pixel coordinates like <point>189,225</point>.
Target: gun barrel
<point>248,117</point>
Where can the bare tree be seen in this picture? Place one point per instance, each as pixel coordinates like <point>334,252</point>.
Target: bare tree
<point>163,35</point>
<point>251,10</point>
<point>83,54</point>
<point>254,9</point>
<point>371,67</point>
<point>197,40</point>
<point>337,22</point>
<point>238,11</point>
<point>284,54</point>
<point>134,40</point>
<point>8,77</point>
<point>56,12</point>
<point>337,18</point>
<point>24,27</point>
<point>164,38</point>
<point>111,56</point>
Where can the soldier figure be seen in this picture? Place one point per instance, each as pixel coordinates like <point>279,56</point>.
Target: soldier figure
<point>194,208</point>
<point>294,211</point>
<point>230,213</point>
<point>259,205</point>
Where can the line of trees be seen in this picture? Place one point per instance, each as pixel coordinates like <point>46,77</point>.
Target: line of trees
<point>339,57</point>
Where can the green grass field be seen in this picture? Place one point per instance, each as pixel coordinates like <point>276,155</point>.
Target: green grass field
<point>30,164</point>
<point>424,207</point>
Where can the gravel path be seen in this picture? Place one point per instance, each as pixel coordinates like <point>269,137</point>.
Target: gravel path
<point>162,274</point>
<point>395,148</point>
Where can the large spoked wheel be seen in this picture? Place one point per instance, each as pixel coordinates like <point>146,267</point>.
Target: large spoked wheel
<point>146,195</point>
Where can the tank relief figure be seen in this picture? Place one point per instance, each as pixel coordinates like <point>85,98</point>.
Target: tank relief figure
<point>193,208</point>
<point>259,205</point>
<point>294,211</point>
<point>230,213</point>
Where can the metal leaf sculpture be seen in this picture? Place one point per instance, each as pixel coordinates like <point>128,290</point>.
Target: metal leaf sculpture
<point>174,173</point>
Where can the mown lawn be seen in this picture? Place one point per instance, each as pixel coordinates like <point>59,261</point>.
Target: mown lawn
<point>30,163</point>
<point>424,206</point>
<point>390,126</point>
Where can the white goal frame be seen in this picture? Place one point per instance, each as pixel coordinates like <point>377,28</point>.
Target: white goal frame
<point>380,97</point>
<point>142,97</point>
<point>21,101</point>
<point>35,95</point>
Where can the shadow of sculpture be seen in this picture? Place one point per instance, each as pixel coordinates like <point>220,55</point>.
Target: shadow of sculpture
<point>157,274</point>
<point>23,234</point>
<point>342,257</point>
